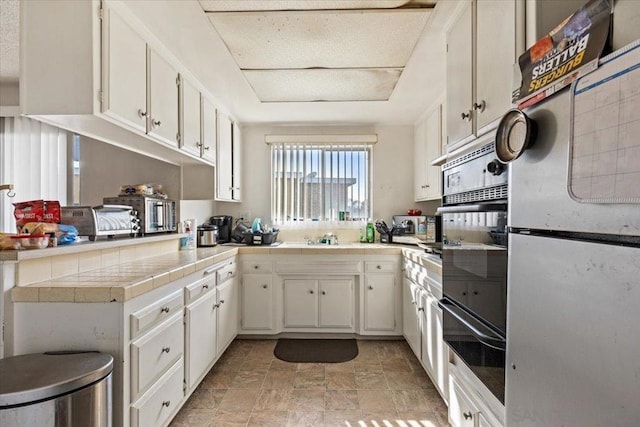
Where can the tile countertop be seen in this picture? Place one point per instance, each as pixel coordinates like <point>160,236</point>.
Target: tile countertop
<point>125,281</point>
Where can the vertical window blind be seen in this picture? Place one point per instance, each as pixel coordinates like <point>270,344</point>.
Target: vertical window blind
<point>320,182</point>
<point>33,157</point>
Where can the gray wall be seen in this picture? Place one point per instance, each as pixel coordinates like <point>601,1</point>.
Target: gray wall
<point>104,168</point>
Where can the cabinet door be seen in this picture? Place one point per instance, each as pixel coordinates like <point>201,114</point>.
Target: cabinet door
<point>380,302</point>
<point>410,319</point>
<point>209,130</point>
<point>434,350</point>
<point>420,184</point>
<point>336,303</point>
<point>201,319</point>
<point>236,162</point>
<point>224,165</point>
<point>459,77</point>
<point>462,411</point>
<point>227,294</point>
<point>432,145</point>
<point>495,20</point>
<point>257,301</point>
<point>163,99</point>
<point>190,133</point>
<point>124,72</point>
<point>300,303</point>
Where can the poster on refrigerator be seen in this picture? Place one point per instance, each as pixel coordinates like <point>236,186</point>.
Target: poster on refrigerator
<point>604,159</point>
<point>568,52</point>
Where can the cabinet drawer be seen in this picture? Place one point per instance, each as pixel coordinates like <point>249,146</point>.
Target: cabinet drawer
<point>162,400</point>
<point>154,352</point>
<point>227,272</point>
<point>199,288</point>
<point>257,267</point>
<point>157,312</point>
<point>379,267</point>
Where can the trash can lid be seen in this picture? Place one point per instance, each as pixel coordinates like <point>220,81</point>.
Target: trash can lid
<point>31,378</point>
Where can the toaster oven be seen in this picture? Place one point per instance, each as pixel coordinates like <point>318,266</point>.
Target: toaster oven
<point>105,220</point>
<point>156,215</point>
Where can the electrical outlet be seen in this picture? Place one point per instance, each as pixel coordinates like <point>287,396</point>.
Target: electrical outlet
<point>246,216</point>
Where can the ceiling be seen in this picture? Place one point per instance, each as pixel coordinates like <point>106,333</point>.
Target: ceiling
<point>360,61</point>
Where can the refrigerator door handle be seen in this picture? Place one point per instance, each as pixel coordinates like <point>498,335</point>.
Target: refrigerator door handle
<point>492,341</point>
<point>479,207</point>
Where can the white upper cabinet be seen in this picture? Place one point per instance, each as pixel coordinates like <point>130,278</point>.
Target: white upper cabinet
<point>190,129</point>
<point>209,131</point>
<point>482,45</point>
<point>125,72</point>
<point>228,160</point>
<point>427,147</point>
<point>163,99</point>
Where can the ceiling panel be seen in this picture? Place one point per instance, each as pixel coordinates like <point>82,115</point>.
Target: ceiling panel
<point>323,84</point>
<point>248,5</point>
<point>327,39</point>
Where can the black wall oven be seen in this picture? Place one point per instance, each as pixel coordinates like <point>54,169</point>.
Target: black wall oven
<point>474,264</point>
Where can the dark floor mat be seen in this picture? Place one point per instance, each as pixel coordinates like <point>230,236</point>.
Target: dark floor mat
<point>316,350</point>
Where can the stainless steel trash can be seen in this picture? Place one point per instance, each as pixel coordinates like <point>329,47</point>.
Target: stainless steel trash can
<point>56,389</point>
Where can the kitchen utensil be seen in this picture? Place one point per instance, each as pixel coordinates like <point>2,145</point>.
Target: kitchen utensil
<point>515,133</point>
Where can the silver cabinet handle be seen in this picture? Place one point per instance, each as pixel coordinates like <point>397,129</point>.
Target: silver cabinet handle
<point>480,106</point>
<point>420,308</point>
<point>156,123</point>
<point>166,403</point>
<point>142,113</point>
<point>229,273</point>
<point>205,286</point>
<point>324,293</point>
<point>165,310</point>
<point>370,287</point>
<point>311,292</point>
<point>211,270</point>
<point>221,301</point>
<point>467,415</point>
<point>379,267</point>
<point>216,306</point>
<point>264,286</point>
<point>206,147</point>
<point>198,144</point>
<point>425,186</point>
<point>166,350</point>
<point>466,116</point>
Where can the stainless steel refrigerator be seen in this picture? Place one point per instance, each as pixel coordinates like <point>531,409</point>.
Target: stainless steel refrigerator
<point>573,319</point>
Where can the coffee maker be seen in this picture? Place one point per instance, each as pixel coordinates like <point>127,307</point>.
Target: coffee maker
<point>224,223</point>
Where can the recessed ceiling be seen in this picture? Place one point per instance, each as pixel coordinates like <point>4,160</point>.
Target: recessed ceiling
<point>314,53</point>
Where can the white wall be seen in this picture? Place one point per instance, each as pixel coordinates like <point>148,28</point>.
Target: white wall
<point>392,169</point>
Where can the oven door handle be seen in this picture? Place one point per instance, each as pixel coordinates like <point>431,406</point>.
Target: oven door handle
<point>479,207</point>
<point>496,342</point>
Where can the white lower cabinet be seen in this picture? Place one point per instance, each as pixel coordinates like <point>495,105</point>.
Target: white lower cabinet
<point>411,315</point>
<point>227,300</point>
<point>380,302</point>
<point>162,401</point>
<point>316,303</point>
<point>201,320</point>
<point>257,302</point>
<point>466,408</point>
<point>154,352</point>
<point>434,355</point>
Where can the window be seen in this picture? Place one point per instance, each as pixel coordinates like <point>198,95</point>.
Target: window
<point>320,182</point>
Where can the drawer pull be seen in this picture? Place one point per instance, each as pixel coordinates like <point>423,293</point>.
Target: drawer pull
<point>324,292</point>
<point>370,287</point>
<point>221,301</point>
<point>255,267</point>
<point>311,292</point>
<point>166,350</point>
<point>264,286</point>
<point>420,308</point>
<point>166,403</point>
<point>229,273</point>
<point>205,286</point>
<point>467,415</point>
<point>216,306</point>
<point>165,309</point>
<point>379,267</point>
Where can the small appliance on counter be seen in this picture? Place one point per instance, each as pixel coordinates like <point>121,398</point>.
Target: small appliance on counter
<point>409,229</point>
<point>224,224</point>
<point>207,235</point>
<point>156,214</point>
<point>105,220</point>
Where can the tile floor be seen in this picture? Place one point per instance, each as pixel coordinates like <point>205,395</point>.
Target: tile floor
<point>384,385</point>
